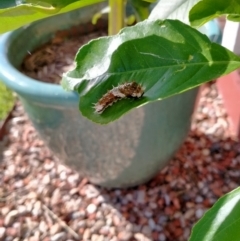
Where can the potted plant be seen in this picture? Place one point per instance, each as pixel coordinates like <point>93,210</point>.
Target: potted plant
<point>131,150</point>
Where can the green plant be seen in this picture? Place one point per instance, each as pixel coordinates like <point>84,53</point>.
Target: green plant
<point>164,56</point>
<point>6,101</point>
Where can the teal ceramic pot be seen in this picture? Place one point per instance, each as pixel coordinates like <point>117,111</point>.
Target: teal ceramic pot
<point>125,153</point>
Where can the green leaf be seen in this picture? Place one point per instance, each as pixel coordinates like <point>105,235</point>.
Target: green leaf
<point>221,222</point>
<point>14,14</point>
<point>206,10</point>
<point>177,9</point>
<point>164,57</point>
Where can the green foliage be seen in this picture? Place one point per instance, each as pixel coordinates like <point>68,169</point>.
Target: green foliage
<point>177,9</point>
<point>206,10</point>
<point>221,222</point>
<point>6,101</point>
<point>14,15</point>
<point>164,57</point>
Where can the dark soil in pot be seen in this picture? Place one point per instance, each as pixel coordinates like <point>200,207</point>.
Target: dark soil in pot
<point>48,62</point>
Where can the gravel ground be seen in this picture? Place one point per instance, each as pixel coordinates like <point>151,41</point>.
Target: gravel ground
<point>41,199</point>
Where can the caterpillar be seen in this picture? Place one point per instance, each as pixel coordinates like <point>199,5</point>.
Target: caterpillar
<point>126,90</point>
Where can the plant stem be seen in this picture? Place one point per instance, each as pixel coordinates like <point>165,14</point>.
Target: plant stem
<point>141,8</point>
<point>116,16</point>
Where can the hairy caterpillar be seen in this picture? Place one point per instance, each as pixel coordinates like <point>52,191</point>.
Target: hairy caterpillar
<point>126,90</point>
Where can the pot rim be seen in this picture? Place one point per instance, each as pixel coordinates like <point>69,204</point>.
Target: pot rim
<point>21,83</point>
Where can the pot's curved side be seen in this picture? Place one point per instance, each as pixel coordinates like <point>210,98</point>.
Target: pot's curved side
<point>124,153</point>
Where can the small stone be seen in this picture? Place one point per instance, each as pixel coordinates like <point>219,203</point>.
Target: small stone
<point>129,227</point>
<point>73,179</point>
<point>112,231</point>
<point>141,237</point>
<point>97,226</point>
<point>136,228</point>
<point>10,217</point>
<point>12,232</point>
<point>116,220</point>
<point>105,230</point>
<point>100,199</point>
<point>129,197</point>
<point>86,234</point>
<point>109,221</point>
<point>63,175</point>
<point>73,191</point>
<point>199,212</point>
<point>199,199</point>
<point>96,237</point>
<point>55,228</point>
<point>46,179</point>
<point>162,237</point>
<point>22,210</point>
<point>186,233</point>
<point>141,197</point>
<point>206,152</point>
<point>153,205</point>
<point>146,230</point>
<point>148,213</point>
<point>18,184</point>
<point>91,191</point>
<point>124,235</point>
<point>33,238</point>
<point>189,213</point>
<point>2,232</point>
<point>78,214</point>
<point>5,210</point>
<point>59,237</point>
<point>37,211</point>
<point>91,208</point>
<point>151,224</point>
<point>43,227</point>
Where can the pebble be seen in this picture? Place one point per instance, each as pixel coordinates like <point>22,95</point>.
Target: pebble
<point>43,227</point>
<point>22,210</point>
<point>141,237</point>
<point>124,235</point>
<point>199,199</point>
<point>55,228</point>
<point>105,230</point>
<point>97,226</point>
<point>86,234</point>
<point>146,230</point>
<point>5,210</point>
<point>10,217</point>
<point>91,191</point>
<point>163,209</point>
<point>91,208</point>
<point>2,232</point>
<point>152,224</point>
<point>46,179</point>
<point>59,237</point>
<point>189,213</point>
<point>199,212</point>
<point>141,197</point>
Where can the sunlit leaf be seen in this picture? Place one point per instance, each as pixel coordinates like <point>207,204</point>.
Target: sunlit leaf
<point>164,57</point>
<point>16,13</point>
<point>177,9</point>
<point>206,10</point>
<point>221,222</point>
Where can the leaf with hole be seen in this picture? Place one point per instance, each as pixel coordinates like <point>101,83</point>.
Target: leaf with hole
<point>163,57</point>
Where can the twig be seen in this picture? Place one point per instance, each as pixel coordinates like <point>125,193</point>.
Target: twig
<point>62,223</point>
